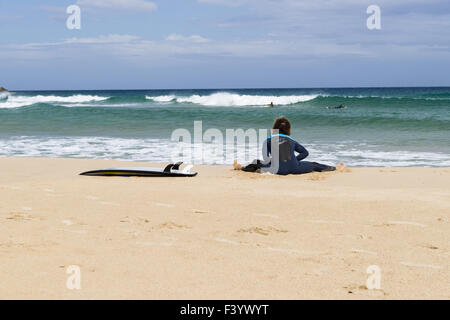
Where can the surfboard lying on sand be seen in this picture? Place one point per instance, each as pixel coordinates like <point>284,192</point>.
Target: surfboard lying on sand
<point>171,170</point>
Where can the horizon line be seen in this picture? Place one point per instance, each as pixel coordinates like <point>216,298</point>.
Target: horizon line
<point>230,88</point>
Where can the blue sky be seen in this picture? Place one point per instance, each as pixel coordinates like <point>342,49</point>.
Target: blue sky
<point>142,44</point>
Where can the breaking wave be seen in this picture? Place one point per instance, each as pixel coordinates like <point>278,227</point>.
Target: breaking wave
<point>225,99</point>
<point>21,101</point>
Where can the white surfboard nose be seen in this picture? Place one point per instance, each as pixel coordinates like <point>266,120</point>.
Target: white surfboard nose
<point>187,169</point>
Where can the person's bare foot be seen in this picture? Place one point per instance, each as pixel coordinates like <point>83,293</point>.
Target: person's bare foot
<point>340,167</point>
<point>237,165</point>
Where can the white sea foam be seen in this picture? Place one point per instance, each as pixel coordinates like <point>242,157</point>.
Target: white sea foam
<point>21,101</point>
<point>162,150</point>
<point>104,105</point>
<point>226,99</point>
<point>4,95</point>
<point>367,155</point>
<point>161,98</point>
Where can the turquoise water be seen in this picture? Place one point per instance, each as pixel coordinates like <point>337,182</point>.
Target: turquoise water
<point>379,127</point>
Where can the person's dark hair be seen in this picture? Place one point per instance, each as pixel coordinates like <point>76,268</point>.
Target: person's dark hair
<point>283,125</point>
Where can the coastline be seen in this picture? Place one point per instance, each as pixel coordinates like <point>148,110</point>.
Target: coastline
<point>223,234</point>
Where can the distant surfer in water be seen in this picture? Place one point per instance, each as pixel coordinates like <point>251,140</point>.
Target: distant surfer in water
<point>270,104</point>
<point>289,162</point>
<point>338,107</point>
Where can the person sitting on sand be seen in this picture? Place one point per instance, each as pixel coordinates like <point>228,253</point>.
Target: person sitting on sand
<point>289,163</point>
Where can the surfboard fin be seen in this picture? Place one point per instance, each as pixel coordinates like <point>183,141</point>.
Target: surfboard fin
<point>168,167</point>
<point>177,165</point>
<point>172,166</point>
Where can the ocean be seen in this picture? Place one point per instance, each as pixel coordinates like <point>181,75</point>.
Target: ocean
<point>379,127</point>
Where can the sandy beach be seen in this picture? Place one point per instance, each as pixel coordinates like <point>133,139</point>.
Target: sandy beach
<point>223,234</point>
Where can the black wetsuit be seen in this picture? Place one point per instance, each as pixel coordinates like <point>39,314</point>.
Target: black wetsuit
<point>289,162</point>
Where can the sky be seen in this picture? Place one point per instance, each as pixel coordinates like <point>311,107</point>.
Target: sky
<point>182,44</point>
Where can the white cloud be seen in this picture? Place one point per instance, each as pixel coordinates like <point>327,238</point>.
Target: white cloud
<point>230,3</point>
<point>141,5</point>
<point>321,4</point>
<point>112,38</point>
<point>128,46</point>
<point>109,39</point>
<point>193,38</point>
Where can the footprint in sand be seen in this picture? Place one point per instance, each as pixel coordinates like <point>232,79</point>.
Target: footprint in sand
<point>363,251</point>
<point>172,225</point>
<point>429,246</point>
<point>262,231</point>
<point>406,223</point>
<point>200,211</point>
<point>73,224</point>
<point>137,220</point>
<point>12,244</point>
<point>420,265</point>
<point>142,220</point>
<point>363,290</point>
<point>18,216</point>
